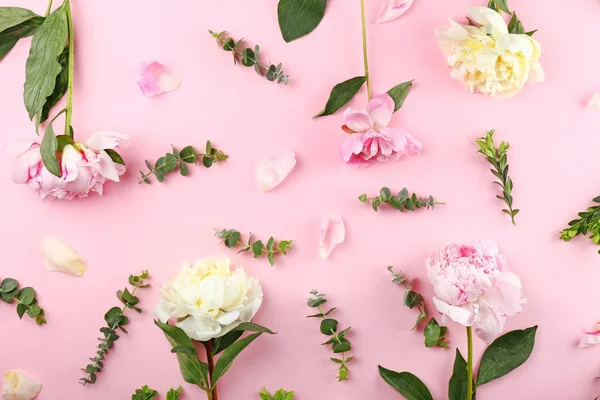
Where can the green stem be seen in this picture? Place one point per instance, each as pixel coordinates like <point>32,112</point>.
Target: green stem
<point>364,40</point>
<point>49,8</point>
<point>71,70</point>
<point>469,364</point>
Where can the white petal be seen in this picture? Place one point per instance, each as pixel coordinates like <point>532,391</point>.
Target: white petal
<point>333,232</point>
<point>594,102</point>
<point>272,171</point>
<point>591,336</point>
<point>492,21</point>
<point>464,315</point>
<point>393,9</point>
<point>60,257</point>
<point>18,386</point>
<point>107,140</point>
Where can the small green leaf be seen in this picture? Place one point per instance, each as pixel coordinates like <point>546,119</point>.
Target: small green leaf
<point>173,394</point>
<point>34,311</point>
<point>248,60</point>
<point>385,194</point>
<point>113,316</point>
<point>21,310</point>
<point>271,258</point>
<point>341,346</point>
<point>26,295</point>
<point>170,162</point>
<point>432,333</point>
<point>407,384</point>
<point>399,93</point>
<point>457,387</point>
<point>403,195</point>
<point>116,157</point>
<point>329,326</point>
<point>207,161</point>
<point>271,74</point>
<point>412,299</point>
<point>8,285</point>
<point>299,18</point>
<point>396,203</point>
<point>341,94</point>
<point>48,150</point>
<point>363,198</point>
<point>60,87</point>
<point>229,44</point>
<point>233,239</point>
<point>188,154</point>
<point>257,248</point>
<point>316,302</point>
<point>271,243</point>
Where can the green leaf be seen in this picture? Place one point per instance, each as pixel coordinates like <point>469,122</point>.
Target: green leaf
<point>13,16</point>
<point>515,25</point>
<point>283,395</point>
<point>432,333</point>
<point>403,195</point>
<point>505,354</point>
<point>226,360</point>
<point>8,285</point>
<point>173,394</point>
<point>48,151</point>
<point>7,297</point>
<point>185,350</point>
<point>271,244</point>
<point>170,162</point>
<point>341,94</point>
<point>457,387</point>
<point>21,310</point>
<point>363,198</point>
<point>145,393</point>
<point>229,44</point>
<point>396,203</point>
<point>406,383</point>
<point>399,93</point>
<point>60,87</point>
<point>257,248</point>
<point>329,326</point>
<point>271,258</point>
<point>207,161</point>
<point>10,36</point>
<point>116,157</point>
<point>113,316</point>
<point>248,60</point>
<point>183,169</point>
<point>299,17</point>
<point>385,194</point>
<point>42,65</point>
<point>252,327</point>
<point>412,299</point>
<point>188,154</point>
<point>341,346</point>
<point>271,74</point>
<point>33,311</point>
<point>502,5</point>
<point>316,302</point>
<point>233,239</point>
<point>26,295</point>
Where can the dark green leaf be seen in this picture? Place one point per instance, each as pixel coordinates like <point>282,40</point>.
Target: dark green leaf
<point>432,333</point>
<point>396,203</point>
<point>114,156</point>
<point>21,310</point>
<point>457,387</point>
<point>170,162</point>
<point>183,169</point>
<point>34,311</point>
<point>385,194</point>
<point>10,36</point>
<point>48,151</point>
<point>329,326</point>
<point>299,17</point>
<point>26,295</point>
<point>271,74</point>
<point>185,350</point>
<point>412,299</point>
<point>248,60</point>
<point>399,94</point>
<point>207,161</point>
<point>113,316</point>
<point>316,302</point>
<point>225,341</point>
<point>225,361</point>
<point>257,248</point>
<point>271,258</point>
<point>229,44</point>
<point>341,94</point>
<point>406,384</point>
<point>271,243</point>
<point>8,285</point>
<point>188,154</point>
<point>233,239</point>
<point>13,16</point>
<point>515,25</point>
<point>60,86</point>
<point>7,297</point>
<point>342,346</point>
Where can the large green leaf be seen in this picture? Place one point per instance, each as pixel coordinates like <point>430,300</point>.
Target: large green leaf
<point>299,17</point>
<point>457,388</point>
<point>60,87</point>
<point>341,94</point>
<point>505,354</point>
<point>399,93</point>
<point>10,37</point>
<point>406,383</point>
<point>43,65</point>
<point>13,16</point>
<point>226,360</point>
<point>228,339</point>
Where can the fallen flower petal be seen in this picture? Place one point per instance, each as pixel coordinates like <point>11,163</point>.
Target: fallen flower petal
<point>60,257</point>
<point>18,386</point>
<point>594,102</point>
<point>272,171</point>
<point>393,9</point>
<point>591,336</point>
<point>156,79</point>
<point>333,232</point>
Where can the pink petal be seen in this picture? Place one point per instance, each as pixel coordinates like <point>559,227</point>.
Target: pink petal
<point>393,9</point>
<point>26,166</point>
<point>107,168</point>
<point>464,315</point>
<point>594,102</point>
<point>591,337</point>
<point>357,121</point>
<point>351,145</point>
<point>272,171</point>
<point>381,109</point>
<point>107,140</point>
<point>70,163</point>
<point>333,232</point>
<point>489,323</point>
<point>21,147</point>
<point>505,297</point>
<point>156,79</point>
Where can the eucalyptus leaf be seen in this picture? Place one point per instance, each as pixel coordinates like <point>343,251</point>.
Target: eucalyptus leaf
<point>341,94</point>
<point>26,295</point>
<point>399,93</point>
<point>299,17</point>
<point>407,384</point>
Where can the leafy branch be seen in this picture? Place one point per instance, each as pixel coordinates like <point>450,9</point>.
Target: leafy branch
<point>179,160</point>
<point>435,335</point>
<point>232,238</point>
<point>589,222</point>
<point>498,158</point>
<point>250,58</point>
<point>25,299</point>
<point>329,327</point>
<point>402,202</point>
<point>281,394</point>
<point>115,319</point>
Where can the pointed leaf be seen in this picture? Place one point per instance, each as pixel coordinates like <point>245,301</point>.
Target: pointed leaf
<point>299,18</point>
<point>399,93</point>
<point>341,94</point>
<point>226,360</point>
<point>48,151</point>
<point>407,384</point>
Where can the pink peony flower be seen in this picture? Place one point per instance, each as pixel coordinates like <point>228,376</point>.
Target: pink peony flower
<point>472,288</point>
<point>84,166</point>
<point>371,139</point>
<point>591,336</point>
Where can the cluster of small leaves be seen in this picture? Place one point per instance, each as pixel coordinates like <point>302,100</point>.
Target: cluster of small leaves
<point>173,394</point>
<point>232,238</point>
<point>250,58</point>
<point>179,160</point>
<point>589,222</point>
<point>25,299</point>
<point>498,158</point>
<point>145,393</point>
<point>403,201</point>
<point>435,335</point>
<point>329,327</point>
<point>515,25</point>
<point>115,319</point>
<point>281,394</point>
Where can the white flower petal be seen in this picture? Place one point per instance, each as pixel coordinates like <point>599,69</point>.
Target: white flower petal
<point>60,257</point>
<point>591,336</point>
<point>333,232</point>
<point>492,21</point>
<point>464,315</point>
<point>18,386</point>
<point>594,102</point>
<point>272,171</point>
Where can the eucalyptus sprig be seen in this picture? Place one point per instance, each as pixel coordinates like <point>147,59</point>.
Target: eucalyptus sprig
<point>515,25</point>
<point>403,202</point>
<point>232,238</point>
<point>281,394</point>
<point>115,319</point>
<point>498,158</point>
<point>250,57</point>
<point>329,327</point>
<point>25,299</point>
<point>588,222</point>
<point>435,335</point>
<point>179,160</point>
<point>145,393</point>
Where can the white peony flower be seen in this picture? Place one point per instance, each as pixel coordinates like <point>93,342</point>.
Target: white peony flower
<point>489,59</point>
<point>208,299</point>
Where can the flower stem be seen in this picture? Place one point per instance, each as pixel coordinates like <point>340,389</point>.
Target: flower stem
<point>49,8</point>
<point>212,391</point>
<point>469,364</point>
<point>71,70</point>
<point>364,40</point>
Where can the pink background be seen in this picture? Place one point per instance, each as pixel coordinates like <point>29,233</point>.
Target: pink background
<point>553,161</point>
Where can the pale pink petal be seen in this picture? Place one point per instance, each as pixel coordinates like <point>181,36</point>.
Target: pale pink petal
<point>357,121</point>
<point>413,146</point>
<point>333,232</point>
<point>506,296</point>
<point>489,323</point>
<point>27,166</point>
<point>273,170</point>
<point>107,168</point>
<point>70,163</point>
<point>591,336</point>
<point>594,102</point>
<point>397,136</point>
<point>381,109</point>
<point>351,145</point>
<point>464,315</point>
<point>60,257</point>
<point>107,140</point>
<point>19,148</point>
<point>156,79</point>
<point>18,386</point>
<point>393,9</point>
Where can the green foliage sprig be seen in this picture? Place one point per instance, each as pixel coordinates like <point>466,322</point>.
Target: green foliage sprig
<point>589,222</point>
<point>179,160</point>
<point>435,335</point>
<point>115,319</point>
<point>281,394</point>
<point>173,394</point>
<point>498,158</point>
<point>232,238</point>
<point>145,393</point>
<point>250,58</point>
<point>338,341</point>
<point>403,202</point>
<point>25,299</point>
<point>515,25</point>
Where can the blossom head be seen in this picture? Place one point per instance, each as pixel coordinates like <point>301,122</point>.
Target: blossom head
<point>84,167</point>
<point>472,288</point>
<point>208,299</point>
<point>370,138</point>
<point>487,58</point>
